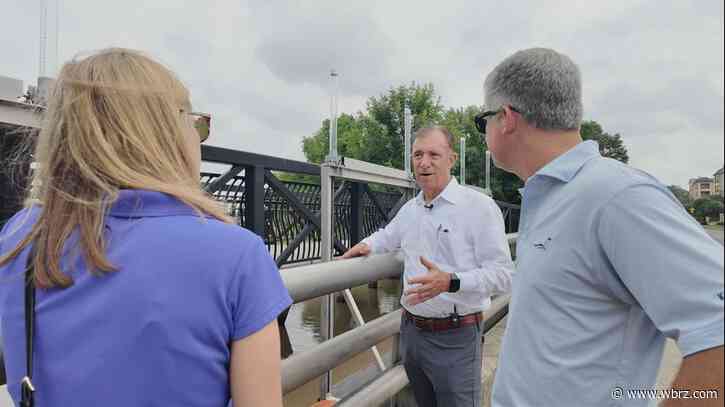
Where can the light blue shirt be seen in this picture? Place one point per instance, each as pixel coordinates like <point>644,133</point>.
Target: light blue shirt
<point>609,264</point>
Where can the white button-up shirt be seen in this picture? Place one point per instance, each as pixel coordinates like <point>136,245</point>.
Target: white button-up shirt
<point>461,231</point>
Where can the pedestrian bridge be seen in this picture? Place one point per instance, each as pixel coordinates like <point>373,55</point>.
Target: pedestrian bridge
<point>310,225</point>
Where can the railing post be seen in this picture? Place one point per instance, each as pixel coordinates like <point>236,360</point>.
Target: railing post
<point>327,320</point>
<point>254,205</point>
<point>356,213</point>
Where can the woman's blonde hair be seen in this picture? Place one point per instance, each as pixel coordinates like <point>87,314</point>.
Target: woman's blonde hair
<point>113,122</point>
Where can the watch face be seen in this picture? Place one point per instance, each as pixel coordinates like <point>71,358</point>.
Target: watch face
<point>455,284</point>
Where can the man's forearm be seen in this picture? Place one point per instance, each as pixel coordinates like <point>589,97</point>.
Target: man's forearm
<point>700,371</point>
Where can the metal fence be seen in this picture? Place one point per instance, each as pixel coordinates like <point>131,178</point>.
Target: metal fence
<point>311,281</point>
<point>287,215</point>
<point>288,218</point>
<point>282,223</point>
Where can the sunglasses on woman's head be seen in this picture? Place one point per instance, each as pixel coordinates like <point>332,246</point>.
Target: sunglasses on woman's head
<point>202,124</point>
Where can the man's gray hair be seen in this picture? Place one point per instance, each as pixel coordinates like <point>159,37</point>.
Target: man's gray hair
<point>450,138</point>
<point>543,84</point>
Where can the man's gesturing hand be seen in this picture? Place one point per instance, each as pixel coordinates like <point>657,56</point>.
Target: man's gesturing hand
<point>432,283</point>
<point>360,249</point>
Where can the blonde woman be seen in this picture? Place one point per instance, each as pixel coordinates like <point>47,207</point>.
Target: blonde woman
<point>147,293</point>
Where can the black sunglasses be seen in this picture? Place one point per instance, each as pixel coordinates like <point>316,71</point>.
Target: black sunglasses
<point>481,118</point>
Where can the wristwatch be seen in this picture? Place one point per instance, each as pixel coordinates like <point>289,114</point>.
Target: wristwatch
<point>455,284</point>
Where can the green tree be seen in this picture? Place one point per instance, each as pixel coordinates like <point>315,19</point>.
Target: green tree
<point>710,207</point>
<point>609,145</point>
<point>376,135</point>
<point>349,138</point>
<point>504,185</point>
<point>681,194</point>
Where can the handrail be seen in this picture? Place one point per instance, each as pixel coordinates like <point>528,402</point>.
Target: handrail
<point>393,380</point>
<point>318,279</point>
<point>302,367</point>
<point>384,387</point>
<point>315,280</point>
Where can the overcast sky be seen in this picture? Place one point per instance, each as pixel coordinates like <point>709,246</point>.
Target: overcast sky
<point>652,70</point>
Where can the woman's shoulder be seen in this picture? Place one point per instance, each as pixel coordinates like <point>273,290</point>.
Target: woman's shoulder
<point>209,235</point>
<point>19,224</point>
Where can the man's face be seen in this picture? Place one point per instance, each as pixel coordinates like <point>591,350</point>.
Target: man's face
<point>497,142</point>
<point>433,160</point>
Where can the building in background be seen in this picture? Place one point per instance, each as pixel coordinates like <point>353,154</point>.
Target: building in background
<point>701,187</point>
<point>719,182</point>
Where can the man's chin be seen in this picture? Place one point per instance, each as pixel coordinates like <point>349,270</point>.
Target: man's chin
<point>422,182</point>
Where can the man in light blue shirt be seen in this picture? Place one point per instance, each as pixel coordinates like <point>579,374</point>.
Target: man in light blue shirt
<point>609,264</point>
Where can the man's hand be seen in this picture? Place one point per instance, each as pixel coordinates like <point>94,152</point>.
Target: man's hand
<point>360,249</point>
<point>432,283</point>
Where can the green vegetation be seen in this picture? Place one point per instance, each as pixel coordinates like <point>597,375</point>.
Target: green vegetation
<point>376,135</point>
<point>707,208</point>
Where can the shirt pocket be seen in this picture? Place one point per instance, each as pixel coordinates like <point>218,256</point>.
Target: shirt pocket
<point>451,244</point>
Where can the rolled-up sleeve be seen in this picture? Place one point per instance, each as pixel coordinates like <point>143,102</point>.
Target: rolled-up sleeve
<point>668,263</point>
<point>491,252</point>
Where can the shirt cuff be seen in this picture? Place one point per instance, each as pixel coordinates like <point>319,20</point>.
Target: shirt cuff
<point>371,244</point>
<point>705,338</point>
<point>469,281</point>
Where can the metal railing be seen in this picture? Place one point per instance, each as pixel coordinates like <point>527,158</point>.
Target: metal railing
<point>311,281</point>
<point>289,215</point>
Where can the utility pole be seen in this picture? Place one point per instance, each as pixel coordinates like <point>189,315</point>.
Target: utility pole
<point>333,116</point>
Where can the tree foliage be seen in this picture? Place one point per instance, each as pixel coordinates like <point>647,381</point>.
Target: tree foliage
<point>609,145</point>
<point>710,207</point>
<point>376,135</point>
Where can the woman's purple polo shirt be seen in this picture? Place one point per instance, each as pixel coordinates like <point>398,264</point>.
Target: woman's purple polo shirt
<point>158,331</point>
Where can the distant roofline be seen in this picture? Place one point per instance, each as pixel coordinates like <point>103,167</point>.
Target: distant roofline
<point>17,113</point>
<point>15,103</point>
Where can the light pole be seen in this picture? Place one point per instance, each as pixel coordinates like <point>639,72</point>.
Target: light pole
<point>408,119</point>
<point>488,173</point>
<point>332,156</point>
<point>463,159</point>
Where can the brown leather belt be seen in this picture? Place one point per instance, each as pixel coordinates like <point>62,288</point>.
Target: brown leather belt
<point>443,324</point>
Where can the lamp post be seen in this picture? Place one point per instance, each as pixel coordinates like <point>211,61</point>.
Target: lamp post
<point>463,159</point>
<point>332,156</point>
<point>408,120</point>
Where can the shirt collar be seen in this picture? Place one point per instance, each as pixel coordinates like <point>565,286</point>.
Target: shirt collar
<point>137,203</point>
<point>567,165</point>
<point>450,193</point>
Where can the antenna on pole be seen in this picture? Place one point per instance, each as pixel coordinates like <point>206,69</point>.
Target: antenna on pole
<point>408,120</point>
<point>57,35</point>
<point>463,159</point>
<point>333,116</point>
<point>43,36</point>
<point>488,172</point>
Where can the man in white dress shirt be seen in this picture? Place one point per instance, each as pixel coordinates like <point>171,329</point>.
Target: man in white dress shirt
<point>456,257</point>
